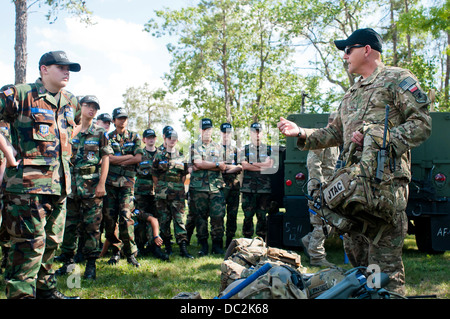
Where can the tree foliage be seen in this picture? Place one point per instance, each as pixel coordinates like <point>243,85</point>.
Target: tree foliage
<point>234,60</point>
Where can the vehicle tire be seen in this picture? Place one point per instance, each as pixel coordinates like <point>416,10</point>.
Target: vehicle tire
<point>423,235</point>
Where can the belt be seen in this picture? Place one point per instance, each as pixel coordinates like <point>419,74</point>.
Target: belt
<point>85,170</point>
<point>123,172</point>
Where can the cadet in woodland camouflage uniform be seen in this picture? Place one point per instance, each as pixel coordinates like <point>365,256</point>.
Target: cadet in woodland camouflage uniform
<point>256,186</point>
<point>169,174</point>
<point>231,191</point>
<point>90,164</point>
<point>205,189</point>
<point>4,237</point>
<point>120,188</point>
<point>147,230</point>
<point>410,125</point>
<point>104,120</point>
<point>321,164</point>
<point>42,117</point>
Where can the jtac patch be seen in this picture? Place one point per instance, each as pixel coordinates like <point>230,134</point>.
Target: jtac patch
<point>409,84</point>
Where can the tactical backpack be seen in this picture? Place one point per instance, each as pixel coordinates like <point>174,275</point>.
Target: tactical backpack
<point>363,200</point>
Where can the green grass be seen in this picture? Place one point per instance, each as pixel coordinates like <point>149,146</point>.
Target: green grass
<point>155,279</point>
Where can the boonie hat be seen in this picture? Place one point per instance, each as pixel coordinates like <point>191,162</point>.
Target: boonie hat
<point>206,123</point>
<point>119,112</point>
<point>105,117</point>
<point>59,58</point>
<point>365,36</point>
<point>148,132</point>
<point>90,99</point>
<point>224,127</point>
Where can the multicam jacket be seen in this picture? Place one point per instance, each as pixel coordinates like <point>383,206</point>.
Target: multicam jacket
<point>127,143</point>
<point>88,148</point>
<point>256,182</point>
<point>206,180</point>
<point>144,180</point>
<point>365,102</point>
<point>170,170</point>
<point>41,133</point>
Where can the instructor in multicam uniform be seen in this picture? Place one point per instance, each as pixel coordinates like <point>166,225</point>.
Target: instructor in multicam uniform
<point>365,101</point>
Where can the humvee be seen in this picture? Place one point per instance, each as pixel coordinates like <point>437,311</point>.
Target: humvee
<point>428,208</point>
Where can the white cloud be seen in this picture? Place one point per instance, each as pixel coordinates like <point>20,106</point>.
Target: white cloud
<point>114,55</point>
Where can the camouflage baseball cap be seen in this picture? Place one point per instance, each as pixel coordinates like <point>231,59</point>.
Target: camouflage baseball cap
<point>90,99</point>
<point>59,58</point>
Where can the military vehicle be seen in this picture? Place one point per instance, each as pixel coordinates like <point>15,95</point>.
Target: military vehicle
<point>428,207</point>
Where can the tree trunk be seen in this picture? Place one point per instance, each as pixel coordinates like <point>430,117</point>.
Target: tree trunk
<point>447,75</point>
<point>394,35</point>
<point>20,47</point>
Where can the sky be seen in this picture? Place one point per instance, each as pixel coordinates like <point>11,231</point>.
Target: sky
<point>114,54</point>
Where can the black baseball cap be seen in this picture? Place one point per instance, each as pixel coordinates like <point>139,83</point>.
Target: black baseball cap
<point>172,134</point>
<point>90,99</point>
<point>206,123</point>
<point>224,127</point>
<point>148,132</point>
<point>119,112</point>
<point>105,117</point>
<point>365,36</point>
<point>59,58</point>
<point>256,126</point>
<point>166,128</point>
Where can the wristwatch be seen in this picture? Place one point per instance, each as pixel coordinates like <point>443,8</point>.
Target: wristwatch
<point>217,164</point>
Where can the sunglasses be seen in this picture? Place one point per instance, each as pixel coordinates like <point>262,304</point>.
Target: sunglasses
<point>348,50</point>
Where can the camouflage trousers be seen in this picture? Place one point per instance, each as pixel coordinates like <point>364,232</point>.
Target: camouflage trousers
<point>35,224</point>
<point>232,206</point>
<point>316,238</point>
<point>83,219</point>
<point>169,210</point>
<point>212,205</point>
<point>118,210</point>
<point>255,204</point>
<point>143,230</point>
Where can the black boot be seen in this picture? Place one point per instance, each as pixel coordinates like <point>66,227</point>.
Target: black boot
<point>67,268</point>
<point>158,253</point>
<point>217,247</point>
<point>90,272</point>
<point>52,294</point>
<point>63,257</point>
<point>114,258</point>
<point>169,249</point>
<point>204,247</point>
<point>132,260</point>
<point>183,250</point>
